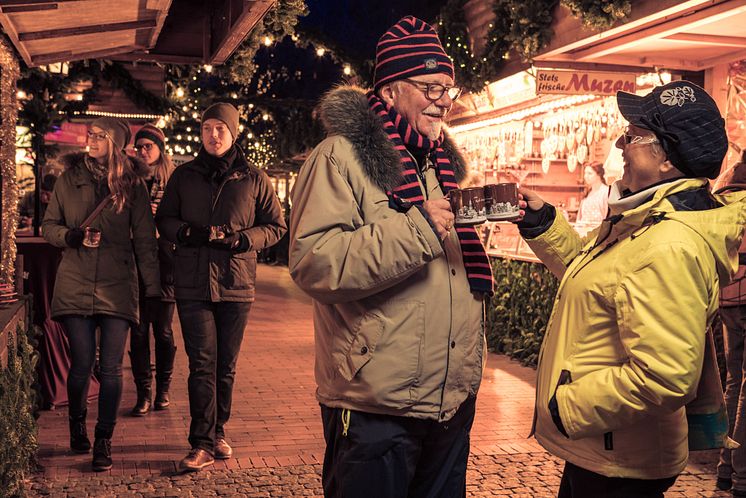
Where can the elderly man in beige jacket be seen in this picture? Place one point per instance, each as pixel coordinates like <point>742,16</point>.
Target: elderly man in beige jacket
<point>398,291</point>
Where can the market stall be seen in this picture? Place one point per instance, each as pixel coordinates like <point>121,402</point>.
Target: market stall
<point>543,141</point>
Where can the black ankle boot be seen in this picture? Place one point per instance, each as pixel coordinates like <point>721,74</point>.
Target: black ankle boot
<point>164,369</point>
<point>161,399</point>
<point>143,402</point>
<point>101,454</point>
<point>79,441</point>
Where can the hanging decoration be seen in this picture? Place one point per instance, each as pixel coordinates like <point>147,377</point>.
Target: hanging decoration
<point>9,73</point>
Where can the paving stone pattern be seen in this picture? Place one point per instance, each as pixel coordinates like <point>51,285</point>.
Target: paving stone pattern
<point>276,433</point>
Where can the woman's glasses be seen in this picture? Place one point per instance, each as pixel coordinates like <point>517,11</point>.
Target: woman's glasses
<point>145,147</point>
<point>98,137</point>
<point>630,139</point>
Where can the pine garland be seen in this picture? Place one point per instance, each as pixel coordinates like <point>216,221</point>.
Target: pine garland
<point>523,27</point>
<point>599,14</point>
<point>279,22</point>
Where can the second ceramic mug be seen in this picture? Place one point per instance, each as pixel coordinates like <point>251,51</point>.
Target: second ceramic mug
<point>467,205</point>
<point>501,201</point>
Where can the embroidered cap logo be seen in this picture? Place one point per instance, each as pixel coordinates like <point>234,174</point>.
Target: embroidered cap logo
<point>431,64</point>
<point>677,96</point>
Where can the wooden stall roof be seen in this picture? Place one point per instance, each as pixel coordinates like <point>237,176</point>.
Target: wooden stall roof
<point>690,35</point>
<point>171,31</point>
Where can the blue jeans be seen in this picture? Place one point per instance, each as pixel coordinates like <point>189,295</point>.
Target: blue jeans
<point>213,333</point>
<point>732,463</point>
<point>81,332</point>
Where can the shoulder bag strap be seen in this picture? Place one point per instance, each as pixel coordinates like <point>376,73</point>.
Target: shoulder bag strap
<point>101,206</point>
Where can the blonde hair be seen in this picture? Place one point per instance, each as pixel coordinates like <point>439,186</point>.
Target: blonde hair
<point>164,167</point>
<point>122,177</point>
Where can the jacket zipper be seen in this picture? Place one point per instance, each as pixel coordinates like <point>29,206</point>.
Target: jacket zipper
<point>423,186</point>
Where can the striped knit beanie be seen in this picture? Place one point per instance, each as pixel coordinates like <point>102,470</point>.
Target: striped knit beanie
<point>411,47</point>
<point>152,133</point>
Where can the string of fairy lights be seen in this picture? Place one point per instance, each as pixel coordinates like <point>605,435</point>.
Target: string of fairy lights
<point>8,116</point>
<point>194,91</point>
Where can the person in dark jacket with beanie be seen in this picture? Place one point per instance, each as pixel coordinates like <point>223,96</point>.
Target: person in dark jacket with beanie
<point>218,210</point>
<point>97,287</point>
<point>158,312</point>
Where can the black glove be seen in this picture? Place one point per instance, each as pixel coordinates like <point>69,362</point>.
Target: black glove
<point>193,235</point>
<point>554,412</point>
<point>74,237</point>
<point>233,241</point>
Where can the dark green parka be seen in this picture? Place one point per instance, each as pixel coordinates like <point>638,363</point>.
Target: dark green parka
<point>101,280</point>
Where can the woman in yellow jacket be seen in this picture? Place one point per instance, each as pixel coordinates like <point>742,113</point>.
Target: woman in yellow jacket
<point>624,346</point>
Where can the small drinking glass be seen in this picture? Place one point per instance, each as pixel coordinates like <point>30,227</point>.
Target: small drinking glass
<point>92,237</point>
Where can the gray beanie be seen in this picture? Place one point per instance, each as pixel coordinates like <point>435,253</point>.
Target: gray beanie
<point>117,129</point>
<point>225,113</point>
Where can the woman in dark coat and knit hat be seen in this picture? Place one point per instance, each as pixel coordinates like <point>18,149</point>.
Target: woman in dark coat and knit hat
<point>158,312</point>
<point>97,287</point>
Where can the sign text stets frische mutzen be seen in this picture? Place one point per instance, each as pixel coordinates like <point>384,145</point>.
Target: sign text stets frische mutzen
<point>583,82</point>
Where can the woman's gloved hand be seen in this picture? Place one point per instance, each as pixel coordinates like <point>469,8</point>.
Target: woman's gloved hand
<point>74,237</point>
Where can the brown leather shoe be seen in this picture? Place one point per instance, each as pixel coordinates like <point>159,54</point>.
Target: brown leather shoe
<point>197,459</point>
<point>223,450</point>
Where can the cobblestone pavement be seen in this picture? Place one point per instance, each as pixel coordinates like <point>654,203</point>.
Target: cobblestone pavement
<point>276,432</point>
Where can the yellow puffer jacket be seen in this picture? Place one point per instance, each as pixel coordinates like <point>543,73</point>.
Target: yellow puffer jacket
<point>624,346</point>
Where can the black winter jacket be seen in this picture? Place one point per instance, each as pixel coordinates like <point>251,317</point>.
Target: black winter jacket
<point>243,199</point>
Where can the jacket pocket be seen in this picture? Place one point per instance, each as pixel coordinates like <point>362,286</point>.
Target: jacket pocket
<point>362,346</point>
<point>114,265</point>
<point>242,271</point>
<point>383,364</point>
<point>564,378</point>
<point>186,262</point>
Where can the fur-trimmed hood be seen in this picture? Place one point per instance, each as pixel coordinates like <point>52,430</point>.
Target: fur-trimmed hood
<point>71,160</point>
<point>345,112</point>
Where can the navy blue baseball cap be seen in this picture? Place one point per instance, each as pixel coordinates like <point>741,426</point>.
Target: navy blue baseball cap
<point>687,122</point>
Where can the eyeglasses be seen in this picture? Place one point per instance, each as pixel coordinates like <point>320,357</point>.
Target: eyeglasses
<point>145,147</point>
<point>97,136</point>
<point>630,139</point>
<point>435,91</point>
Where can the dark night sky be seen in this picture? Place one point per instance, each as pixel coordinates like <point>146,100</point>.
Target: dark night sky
<point>355,25</point>
<point>350,28</point>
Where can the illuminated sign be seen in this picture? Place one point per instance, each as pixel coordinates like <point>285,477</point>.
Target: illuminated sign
<point>583,82</point>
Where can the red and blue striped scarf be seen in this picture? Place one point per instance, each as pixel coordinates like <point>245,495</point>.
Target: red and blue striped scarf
<point>409,192</point>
